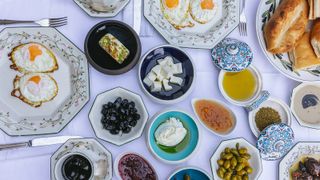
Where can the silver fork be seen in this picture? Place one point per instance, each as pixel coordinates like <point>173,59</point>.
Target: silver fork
<point>52,22</point>
<point>243,20</point>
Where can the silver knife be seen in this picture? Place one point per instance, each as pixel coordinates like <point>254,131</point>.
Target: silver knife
<point>38,142</point>
<point>137,15</point>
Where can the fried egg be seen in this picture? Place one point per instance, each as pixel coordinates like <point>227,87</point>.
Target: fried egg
<point>33,57</point>
<point>177,13</point>
<point>203,11</point>
<point>35,88</point>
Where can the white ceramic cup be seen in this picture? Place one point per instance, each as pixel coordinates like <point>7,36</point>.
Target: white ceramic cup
<point>104,5</point>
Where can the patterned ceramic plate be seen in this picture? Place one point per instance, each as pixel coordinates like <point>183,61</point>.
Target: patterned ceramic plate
<point>275,141</point>
<point>280,61</point>
<point>200,35</point>
<point>98,156</point>
<point>18,118</point>
<point>115,7</point>
<point>300,150</point>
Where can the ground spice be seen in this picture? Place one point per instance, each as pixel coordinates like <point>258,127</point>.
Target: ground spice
<point>266,116</point>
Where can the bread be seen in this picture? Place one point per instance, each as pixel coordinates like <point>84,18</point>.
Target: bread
<point>315,37</point>
<point>303,56</point>
<point>286,26</point>
<point>314,10</point>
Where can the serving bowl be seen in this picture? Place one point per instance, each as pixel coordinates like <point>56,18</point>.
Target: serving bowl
<point>98,156</point>
<point>111,95</point>
<point>178,93</point>
<point>255,160</point>
<point>187,149</point>
<point>118,158</point>
<point>193,172</point>
<point>100,59</point>
<point>208,128</point>
<point>281,107</point>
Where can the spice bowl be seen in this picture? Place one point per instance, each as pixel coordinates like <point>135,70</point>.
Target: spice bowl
<point>279,106</point>
<point>224,111</point>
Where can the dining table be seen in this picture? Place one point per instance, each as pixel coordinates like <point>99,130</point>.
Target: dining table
<point>34,163</point>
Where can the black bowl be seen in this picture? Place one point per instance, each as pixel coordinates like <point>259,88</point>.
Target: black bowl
<point>100,59</point>
<point>178,93</point>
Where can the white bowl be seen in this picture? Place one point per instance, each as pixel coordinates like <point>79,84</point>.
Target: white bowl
<point>116,163</point>
<point>171,101</point>
<point>276,104</point>
<point>246,102</point>
<point>255,161</point>
<point>301,122</point>
<point>209,129</point>
<point>189,167</point>
<point>110,96</point>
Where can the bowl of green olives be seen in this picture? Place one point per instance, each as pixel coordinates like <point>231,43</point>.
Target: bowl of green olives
<point>236,159</point>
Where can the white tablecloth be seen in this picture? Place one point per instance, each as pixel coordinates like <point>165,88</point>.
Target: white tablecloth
<point>33,163</point>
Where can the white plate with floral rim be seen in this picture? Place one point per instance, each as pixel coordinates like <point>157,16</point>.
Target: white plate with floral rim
<point>280,61</point>
<point>115,7</point>
<point>99,157</point>
<point>18,118</point>
<point>204,36</point>
<point>298,152</point>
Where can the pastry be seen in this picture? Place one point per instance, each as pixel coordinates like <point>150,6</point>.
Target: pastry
<point>315,37</point>
<point>303,56</point>
<point>286,26</point>
<point>314,10</point>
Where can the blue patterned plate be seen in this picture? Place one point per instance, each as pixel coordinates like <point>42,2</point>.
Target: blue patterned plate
<point>232,55</point>
<point>275,141</point>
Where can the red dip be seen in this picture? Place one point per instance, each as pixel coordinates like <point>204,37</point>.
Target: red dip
<point>134,167</point>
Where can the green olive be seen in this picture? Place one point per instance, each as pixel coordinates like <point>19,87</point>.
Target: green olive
<point>227,156</point>
<point>243,151</point>
<point>227,164</point>
<point>227,150</point>
<point>234,177</point>
<point>240,159</point>
<point>246,156</point>
<point>248,170</point>
<point>220,162</point>
<point>186,177</point>
<point>239,177</point>
<point>220,173</point>
<point>235,152</point>
<point>223,169</point>
<point>239,167</point>
<point>237,145</point>
<point>245,177</point>
<point>227,175</point>
<point>242,172</point>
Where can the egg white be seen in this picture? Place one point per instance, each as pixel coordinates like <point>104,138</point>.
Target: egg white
<point>202,15</point>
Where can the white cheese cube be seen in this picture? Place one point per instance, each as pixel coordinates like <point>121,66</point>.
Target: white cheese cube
<point>156,86</point>
<point>160,77</point>
<point>177,68</point>
<point>162,62</point>
<point>152,76</point>
<point>166,72</point>
<point>166,85</point>
<point>169,60</point>
<point>156,69</point>
<point>176,80</point>
<point>148,81</point>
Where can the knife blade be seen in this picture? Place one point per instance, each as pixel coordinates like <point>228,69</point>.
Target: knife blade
<point>38,142</point>
<point>137,15</point>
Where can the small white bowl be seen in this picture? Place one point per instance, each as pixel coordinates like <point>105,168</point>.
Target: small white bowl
<point>246,102</point>
<point>189,167</point>
<point>276,104</point>
<point>110,96</point>
<point>255,161</point>
<point>209,129</point>
<point>116,163</point>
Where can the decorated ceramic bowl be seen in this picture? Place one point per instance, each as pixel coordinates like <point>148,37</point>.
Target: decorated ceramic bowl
<point>275,141</point>
<point>191,172</point>
<point>180,152</point>
<point>232,55</point>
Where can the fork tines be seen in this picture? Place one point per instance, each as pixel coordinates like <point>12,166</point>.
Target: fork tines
<point>57,22</point>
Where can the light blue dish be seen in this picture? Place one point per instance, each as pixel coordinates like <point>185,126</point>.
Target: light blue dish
<point>188,150</point>
<point>194,173</point>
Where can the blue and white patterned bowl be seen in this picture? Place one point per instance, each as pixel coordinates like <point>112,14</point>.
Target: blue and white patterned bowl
<point>232,55</point>
<point>275,141</point>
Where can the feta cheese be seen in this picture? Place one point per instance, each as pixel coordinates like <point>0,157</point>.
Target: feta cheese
<point>169,60</point>
<point>176,80</point>
<point>177,68</point>
<point>162,62</point>
<point>156,69</point>
<point>166,71</point>
<point>148,81</point>
<point>166,85</point>
<point>156,86</point>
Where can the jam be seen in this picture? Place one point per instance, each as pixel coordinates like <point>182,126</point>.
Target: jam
<point>76,167</point>
<point>134,167</point>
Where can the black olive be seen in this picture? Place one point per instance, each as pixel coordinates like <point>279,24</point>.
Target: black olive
<point>113,118</point>
<point>118,100</point>
<point>133,123</point>
<point>126,130</point>
<point>136,116</point>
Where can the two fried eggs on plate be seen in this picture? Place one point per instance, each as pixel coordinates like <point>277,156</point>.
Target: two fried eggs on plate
<point>177,12</point>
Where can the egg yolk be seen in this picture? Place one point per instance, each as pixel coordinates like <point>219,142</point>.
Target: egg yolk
<point>34,51</point>
<point>207,4</point>
<point>172,3</point>
<point>35,79</point>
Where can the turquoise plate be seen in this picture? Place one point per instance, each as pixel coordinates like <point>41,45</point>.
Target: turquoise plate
<point>186,151</point>
<point>193,172</point>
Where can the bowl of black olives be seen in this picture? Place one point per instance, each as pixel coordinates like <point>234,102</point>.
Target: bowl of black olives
<point>118,116</point>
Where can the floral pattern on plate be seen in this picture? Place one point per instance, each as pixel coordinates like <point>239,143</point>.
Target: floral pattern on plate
<point>229,19</point>
<point>280,61</point>
<point>85,6</point>
<point>15,124</point>
<point>275,141</point>
<point>300,149</point>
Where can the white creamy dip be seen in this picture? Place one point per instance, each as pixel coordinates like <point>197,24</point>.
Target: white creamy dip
<point>170,133</point>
